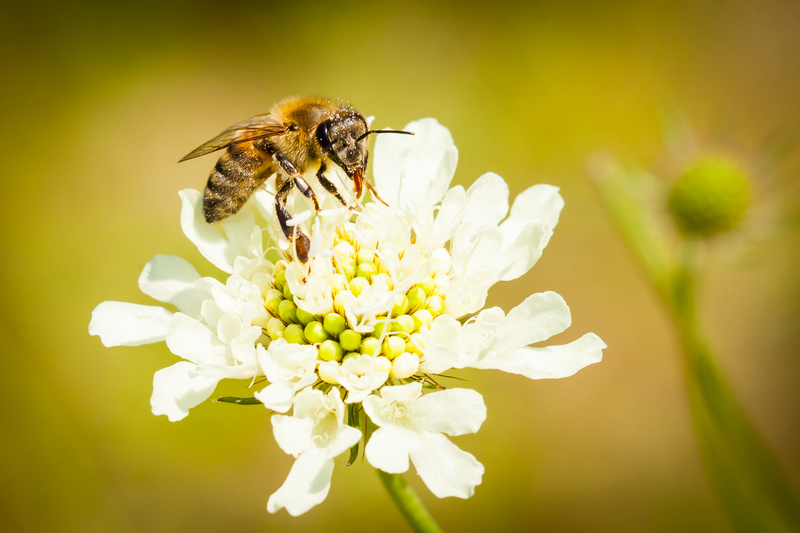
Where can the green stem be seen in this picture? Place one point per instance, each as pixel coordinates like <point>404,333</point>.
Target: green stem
<point>408,503</point>
<point>754,488</point>
<point>756,491</point>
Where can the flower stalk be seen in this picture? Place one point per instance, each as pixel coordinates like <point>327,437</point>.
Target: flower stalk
<point>408,503</point>
<point>753,486</point>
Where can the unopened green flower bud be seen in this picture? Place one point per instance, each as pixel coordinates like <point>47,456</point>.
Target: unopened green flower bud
<point>304,317</point>
<point>272,300</point>
<point>709,198</point>
<point>426,285</point>
<point>415,344</point>
<point>350,355</point>
<point>294,334</point>
<point>379,328</point>
<point>365,255</point>
<point>358,285</point>
<point>279,279</point>
<point>287,292</point>
<point>275,328</point>
<point>350,340</point>
<point>366,270</point>
<point>340,300</point>
<point>435,305</point>
<point>334,324</point>
<point>287,311</point>
<point>315,333</point>
<point>404,324</point>
<point>401,305</point>
<point>330,351</point>
<point>416,298</point>
<point>370,346</point>
<point>423,317</point>
<point>272,294</point>
<point>347,267</point>
<point>393,346</point>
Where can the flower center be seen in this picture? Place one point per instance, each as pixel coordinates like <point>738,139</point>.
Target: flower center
<point>359,298</point>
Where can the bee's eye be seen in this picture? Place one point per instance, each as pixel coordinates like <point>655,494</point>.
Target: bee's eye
<point>323,135</point>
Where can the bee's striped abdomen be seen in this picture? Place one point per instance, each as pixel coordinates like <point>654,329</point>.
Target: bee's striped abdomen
<point>237,174</point>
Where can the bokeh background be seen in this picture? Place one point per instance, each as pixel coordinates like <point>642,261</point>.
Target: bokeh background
<point>99,101</point>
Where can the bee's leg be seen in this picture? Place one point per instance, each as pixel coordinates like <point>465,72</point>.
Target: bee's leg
<point>327,185</point>
<point>280,208</point>
<point>294,175</point>
<point>293,233</point>
<point>374,192</point>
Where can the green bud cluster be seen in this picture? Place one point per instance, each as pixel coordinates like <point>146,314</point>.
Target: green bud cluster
<point>356,268</point>
<point>709,198</point>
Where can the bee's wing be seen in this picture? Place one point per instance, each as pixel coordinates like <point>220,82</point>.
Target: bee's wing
<point>257,127</point>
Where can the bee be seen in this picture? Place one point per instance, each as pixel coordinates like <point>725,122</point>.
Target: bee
<point>298,134</point>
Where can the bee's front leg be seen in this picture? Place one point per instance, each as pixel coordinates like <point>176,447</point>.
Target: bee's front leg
<point>294,234</point>
<point>294,175</point>
<point>327,185</point>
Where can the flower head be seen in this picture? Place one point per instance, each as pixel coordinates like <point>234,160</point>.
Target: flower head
<point>390,296</point>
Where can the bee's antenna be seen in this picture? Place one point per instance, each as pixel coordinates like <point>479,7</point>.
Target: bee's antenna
<point>385,131</point>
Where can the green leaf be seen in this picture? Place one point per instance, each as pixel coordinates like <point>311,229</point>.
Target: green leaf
<point>239,401</point>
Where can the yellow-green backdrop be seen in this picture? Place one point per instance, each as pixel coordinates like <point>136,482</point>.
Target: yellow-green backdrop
<point>99,101</point>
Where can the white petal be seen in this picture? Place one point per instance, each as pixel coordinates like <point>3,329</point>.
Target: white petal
<point>404,393</point>
<point>178,388</point>
<point>452,411</point>
<point>446,469</point>
<point>208,239</point>
<point>416,169</point>
<point>229,327</point>
<point>388,447</point>
<point>239,231</point>
<point>524,251</point>
<point>451,211</point>
<point>536,319</point>
<point>345,439</point>
<point>307,485</point>
<point>275,397</point>
<point>292,434</point>
<point>127,324</point>
<point>550,362</point>
<point>243,347</point>
<point>170,279</point>
<point>540,204</point>
<point>487,204</point>
<point>194,342</point>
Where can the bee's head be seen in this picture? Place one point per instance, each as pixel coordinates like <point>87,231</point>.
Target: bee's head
<point>343,139</point>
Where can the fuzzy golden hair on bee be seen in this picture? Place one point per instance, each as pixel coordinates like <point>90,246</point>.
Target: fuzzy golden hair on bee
<point>297,135</point>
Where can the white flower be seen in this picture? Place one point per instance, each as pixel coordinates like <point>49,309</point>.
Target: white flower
<point>314,436</point>
<point>217,326</point>
<point>389,297</point>
<point>290,368</point>
<point>411,425</point>
<point>362,374</point>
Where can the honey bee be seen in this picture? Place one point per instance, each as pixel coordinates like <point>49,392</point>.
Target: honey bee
<point>298,134</point>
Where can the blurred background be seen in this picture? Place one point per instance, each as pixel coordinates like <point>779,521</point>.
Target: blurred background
<point>98,103</point>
